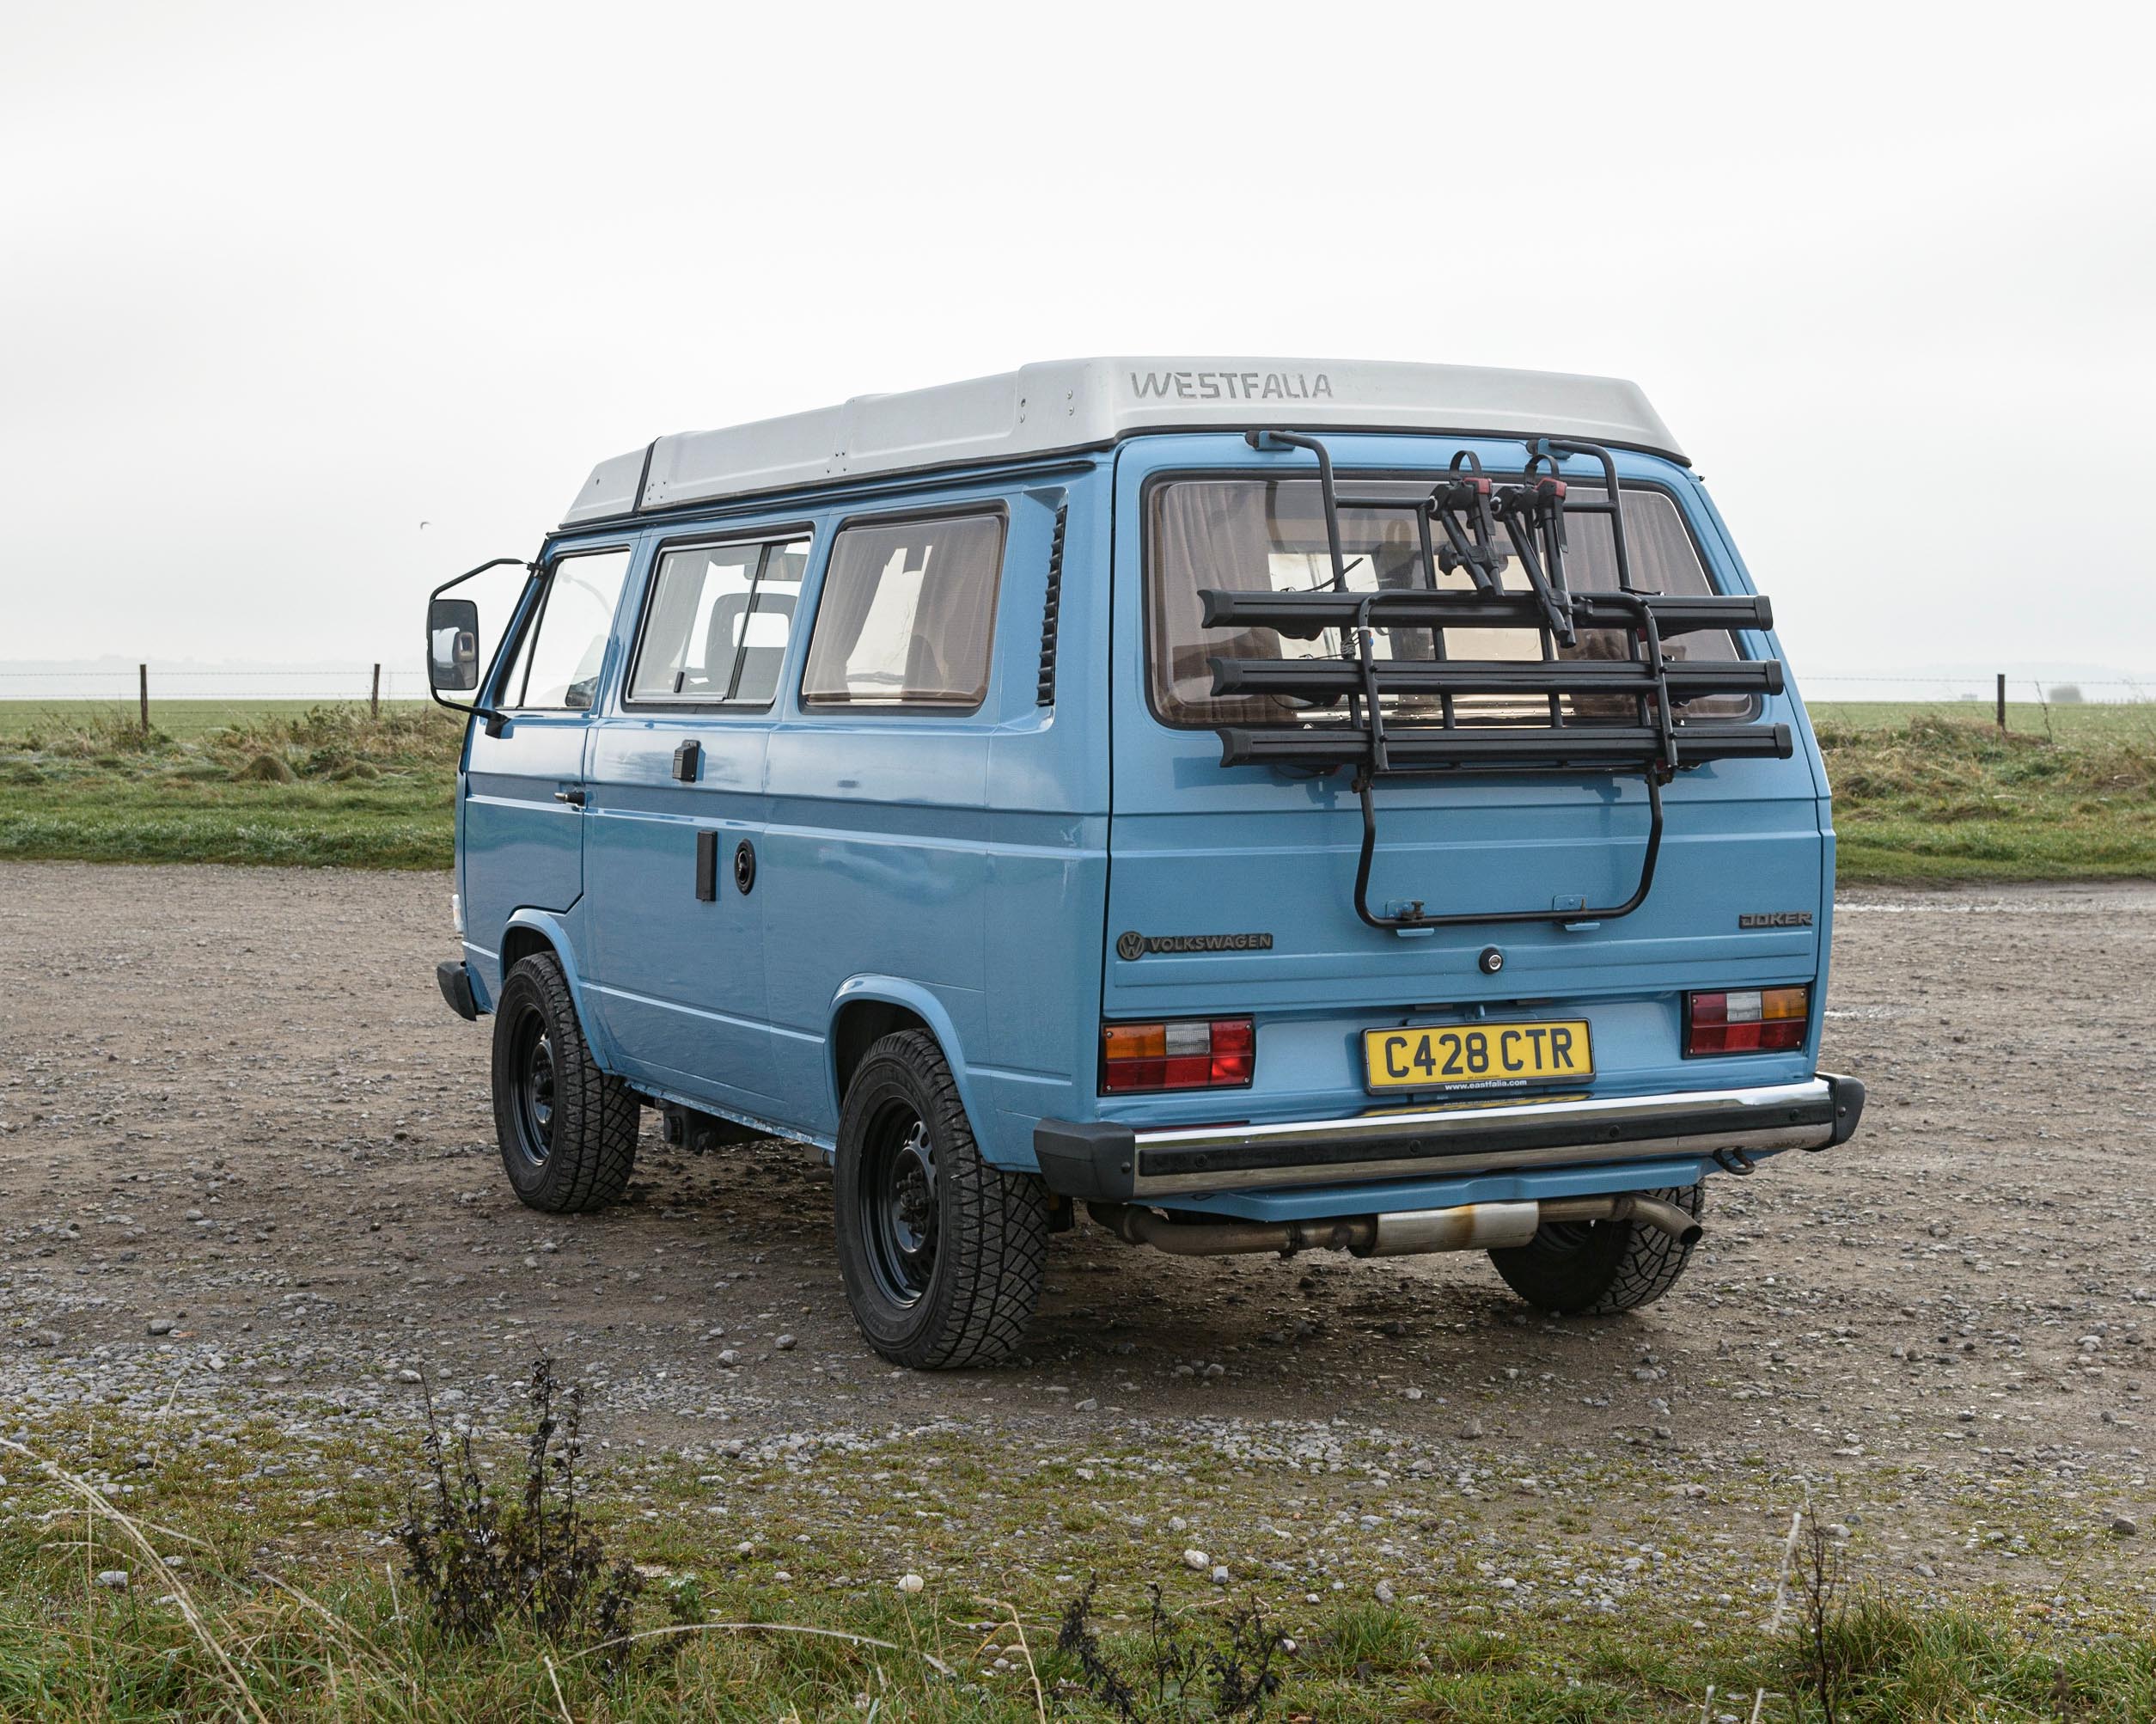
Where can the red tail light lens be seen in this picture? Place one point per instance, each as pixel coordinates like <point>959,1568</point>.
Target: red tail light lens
<point>1197,1053</point>
<point>1759,1020</point>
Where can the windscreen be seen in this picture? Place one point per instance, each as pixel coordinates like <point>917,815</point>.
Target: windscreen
<point>1269,534</point>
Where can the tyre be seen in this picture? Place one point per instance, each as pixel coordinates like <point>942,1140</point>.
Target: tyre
<point>568,1131</point>
<point>942,1253</point>
<point>1574,1268</point>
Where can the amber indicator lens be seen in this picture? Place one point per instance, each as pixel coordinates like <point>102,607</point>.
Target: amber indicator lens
<point>1197,1053</point>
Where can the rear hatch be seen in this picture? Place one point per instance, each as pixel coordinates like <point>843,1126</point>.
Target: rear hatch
<point>1232,887</point>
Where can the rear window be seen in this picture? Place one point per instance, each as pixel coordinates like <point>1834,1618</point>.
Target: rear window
<point>1261,535</point>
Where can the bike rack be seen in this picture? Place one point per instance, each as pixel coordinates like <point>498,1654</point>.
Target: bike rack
<point>1457,527</point>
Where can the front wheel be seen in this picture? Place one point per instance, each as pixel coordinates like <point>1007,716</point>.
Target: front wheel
<point>568,1131</point>
<point>1576,1268</point>
<point>941,1252</point>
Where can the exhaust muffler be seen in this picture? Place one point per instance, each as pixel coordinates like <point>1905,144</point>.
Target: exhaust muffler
<point>1399,1234</point>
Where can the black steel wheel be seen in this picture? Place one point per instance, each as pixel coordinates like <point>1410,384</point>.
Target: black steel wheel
<point>532,1081</point>
<point>898,1204</point>
<point>942,1253</point>
<point>567,1130</point>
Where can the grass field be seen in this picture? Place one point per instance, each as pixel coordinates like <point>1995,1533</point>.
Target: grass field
<point>267,1573</point>
<point>1921,793</point>
<point>1919,796</point>
<point>269,782</point>
<point>2071,722</point>
<point>184,721</point>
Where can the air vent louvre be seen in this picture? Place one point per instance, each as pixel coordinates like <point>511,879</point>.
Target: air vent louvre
<point>1044,695</point>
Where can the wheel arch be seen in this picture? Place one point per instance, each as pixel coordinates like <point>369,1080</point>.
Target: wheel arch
<point>867,1008</point>
<point>540,931</point>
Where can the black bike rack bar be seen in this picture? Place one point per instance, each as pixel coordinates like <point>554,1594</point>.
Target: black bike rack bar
<point>1322,680</point>
<point>1305,615</point>
<point>1456,526</point>
<point>1430,749</point>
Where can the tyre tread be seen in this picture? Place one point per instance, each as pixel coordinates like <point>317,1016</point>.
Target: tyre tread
<point>999,1255</point>
<point>1604,1282</point>
<point>597,1116</point>
<point>1653,1261</point>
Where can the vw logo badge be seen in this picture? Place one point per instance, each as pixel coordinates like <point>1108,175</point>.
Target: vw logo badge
<point>1130,947</point>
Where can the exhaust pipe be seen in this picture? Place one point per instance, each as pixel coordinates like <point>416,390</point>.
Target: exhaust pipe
<point>1400,1233</point>
<point>1211,1238</point>
<point>1627,1205</point>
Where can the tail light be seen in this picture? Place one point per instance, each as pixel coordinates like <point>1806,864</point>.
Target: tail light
<point>1200,1054</point>
<point>1759,1020</point>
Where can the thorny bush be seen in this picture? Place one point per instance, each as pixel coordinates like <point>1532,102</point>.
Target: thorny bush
<point>476,1559</point>
<point>1229,1677</point>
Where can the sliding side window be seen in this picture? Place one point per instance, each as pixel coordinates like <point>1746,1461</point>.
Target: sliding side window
<point>717,628</point>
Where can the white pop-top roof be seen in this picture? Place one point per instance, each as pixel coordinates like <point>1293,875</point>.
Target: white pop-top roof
<point>1069,404</point>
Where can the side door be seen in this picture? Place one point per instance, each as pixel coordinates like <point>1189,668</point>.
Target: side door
<point>877,861</point>
<point>675,813</point>
<point>524,787</point>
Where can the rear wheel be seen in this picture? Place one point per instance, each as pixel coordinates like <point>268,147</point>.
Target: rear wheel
<point>568,1131</point>
<point>1574,1269</point>
<point>941,1252</point>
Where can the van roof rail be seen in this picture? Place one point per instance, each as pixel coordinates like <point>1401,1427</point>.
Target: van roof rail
<point>1069,405</point>
<point>1455,528</point>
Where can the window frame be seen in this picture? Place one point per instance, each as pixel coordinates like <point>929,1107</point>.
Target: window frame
<point>1365,476</point>
<point>821,705</point>
<point>535,619</point>
<point>712,539</point>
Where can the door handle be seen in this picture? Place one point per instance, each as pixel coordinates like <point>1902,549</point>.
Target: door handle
<point>575,798</point>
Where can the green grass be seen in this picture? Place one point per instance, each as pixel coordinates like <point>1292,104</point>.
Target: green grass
<point>1921,793</point>
<point>182,720</point>
<point>273,782</point>
<point>303,1609</point>
<point>1925,797</point>
<point>2071,722</point>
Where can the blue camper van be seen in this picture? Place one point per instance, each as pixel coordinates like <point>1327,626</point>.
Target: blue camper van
<point>1254,805</point>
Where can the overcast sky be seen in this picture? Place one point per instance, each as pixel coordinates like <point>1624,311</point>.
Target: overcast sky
<point>278,283</point>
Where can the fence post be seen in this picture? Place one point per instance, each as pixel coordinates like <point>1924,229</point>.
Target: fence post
<point>142,672</point>
<point>2002,703</point>
<point>374,700</point>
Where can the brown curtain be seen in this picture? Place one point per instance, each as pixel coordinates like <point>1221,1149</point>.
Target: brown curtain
<point>1664,560</point>
<point>858,557</point>
<point>953,617</point>
<point>1206,533</point>
<point>957,614</point>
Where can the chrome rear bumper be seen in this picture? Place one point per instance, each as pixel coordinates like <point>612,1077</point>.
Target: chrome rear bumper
<point>1107,1162</point>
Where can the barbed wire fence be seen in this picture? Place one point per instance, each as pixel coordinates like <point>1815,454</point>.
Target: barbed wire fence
<point>244,692</point>
<point>1951,691</point>
<point>207,694</point>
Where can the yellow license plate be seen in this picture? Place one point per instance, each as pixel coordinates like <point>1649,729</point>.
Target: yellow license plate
<point>1469,1056</point>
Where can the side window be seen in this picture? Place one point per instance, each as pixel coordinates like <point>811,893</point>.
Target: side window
<point>907,612</point>
<point>558,663</point>
<point>718,623</point>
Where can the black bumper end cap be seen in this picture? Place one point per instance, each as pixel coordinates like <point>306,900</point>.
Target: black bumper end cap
<point>1094,1161</point>
<point>455,984</point>
<point>1846,1097</point>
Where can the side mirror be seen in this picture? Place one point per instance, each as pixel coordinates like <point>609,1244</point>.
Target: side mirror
<point>453,645</point>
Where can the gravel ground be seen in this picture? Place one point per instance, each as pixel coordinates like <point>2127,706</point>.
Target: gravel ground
<point>246,1169</point>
